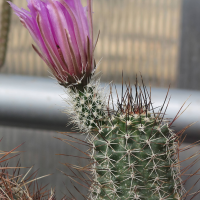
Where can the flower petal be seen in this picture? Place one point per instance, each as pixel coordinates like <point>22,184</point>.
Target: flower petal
<point>52,53</point>
<point>76,69</point>
<point>77,32</point>
<point>59,25</point>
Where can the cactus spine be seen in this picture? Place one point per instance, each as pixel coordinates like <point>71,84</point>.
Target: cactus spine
<point>134,152</point>
<point>15,185</point>
<point>87,106</point>
<point>134,158</point>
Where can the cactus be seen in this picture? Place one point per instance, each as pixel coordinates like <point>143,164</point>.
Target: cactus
<point>134,153</point>
<point>5,24</point>
<point>87,106</point>
<point>133,150</point>
<point>16,185</point>
<point>134,156</point>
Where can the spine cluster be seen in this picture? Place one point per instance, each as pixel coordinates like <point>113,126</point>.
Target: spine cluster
<point>15,185</point>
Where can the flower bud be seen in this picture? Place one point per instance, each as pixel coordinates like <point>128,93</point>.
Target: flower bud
<point>63,31</point>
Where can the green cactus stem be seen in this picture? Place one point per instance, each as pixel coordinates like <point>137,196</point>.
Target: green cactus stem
<point>134,153</point>
<point>87,106</point>
<point>5,24</point>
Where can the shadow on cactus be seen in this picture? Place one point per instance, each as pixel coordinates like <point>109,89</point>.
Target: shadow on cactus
<point>14,185</point>
<point>133,153</point>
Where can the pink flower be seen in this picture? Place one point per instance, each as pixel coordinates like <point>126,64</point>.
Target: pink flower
<point>63,31</point>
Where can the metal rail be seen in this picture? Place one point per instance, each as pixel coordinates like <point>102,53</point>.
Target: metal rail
<point>38,103</point>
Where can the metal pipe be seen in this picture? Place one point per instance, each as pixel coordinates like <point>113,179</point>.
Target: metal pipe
<point>38,103</point>
<point>31,102</point>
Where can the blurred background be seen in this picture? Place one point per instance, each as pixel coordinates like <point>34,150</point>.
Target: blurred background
<point>158,38</point>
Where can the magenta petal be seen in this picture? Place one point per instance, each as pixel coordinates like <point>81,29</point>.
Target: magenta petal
<point>71,32</point>
<point>59,25</point>
<point>26,19</point>
<point>77,33</point>
<point>83,23</point>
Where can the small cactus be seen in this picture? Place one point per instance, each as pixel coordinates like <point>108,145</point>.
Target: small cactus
<point>134,157</point>
<point>16,186</point>
<point>4,24</point>
<point>133,150</point>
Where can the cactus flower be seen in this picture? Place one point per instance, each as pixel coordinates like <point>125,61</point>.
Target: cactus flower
<point>63,31</point>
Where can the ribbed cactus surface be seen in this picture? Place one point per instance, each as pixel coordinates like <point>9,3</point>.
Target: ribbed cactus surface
<point>134,159</point>
<point>87,107</point>
<point>134,152</point>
